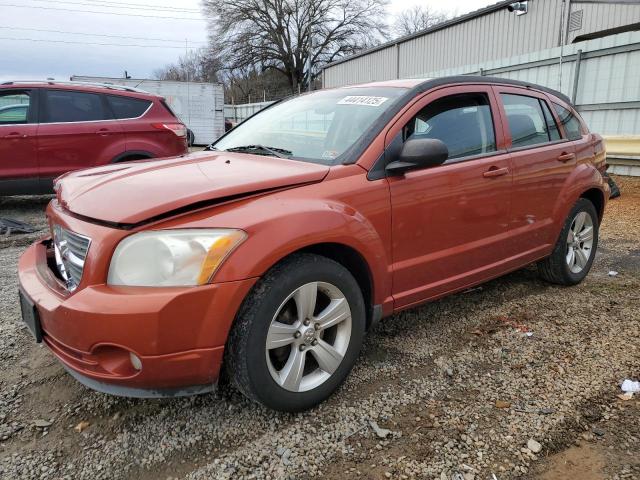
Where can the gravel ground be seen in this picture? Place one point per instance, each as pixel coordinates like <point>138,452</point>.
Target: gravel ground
<point>517,378</point>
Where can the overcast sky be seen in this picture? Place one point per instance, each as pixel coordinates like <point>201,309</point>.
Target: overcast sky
<point>41,38</point>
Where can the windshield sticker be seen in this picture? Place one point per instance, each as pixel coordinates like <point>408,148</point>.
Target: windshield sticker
<point>363,100</point>
<point>330,154</point>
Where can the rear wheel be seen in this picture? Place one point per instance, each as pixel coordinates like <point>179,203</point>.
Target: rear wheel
<point>575,250</point>
<point>298,334</point>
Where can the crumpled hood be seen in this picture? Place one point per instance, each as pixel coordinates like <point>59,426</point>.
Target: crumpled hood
<point>130,193</point>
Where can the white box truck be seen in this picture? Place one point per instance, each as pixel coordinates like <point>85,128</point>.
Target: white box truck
<point>200,106</point>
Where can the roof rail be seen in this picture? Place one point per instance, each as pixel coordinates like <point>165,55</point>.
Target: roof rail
<point>110,86</point>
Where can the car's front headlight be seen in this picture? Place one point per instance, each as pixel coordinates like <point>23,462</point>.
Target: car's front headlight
<point>167,258</point>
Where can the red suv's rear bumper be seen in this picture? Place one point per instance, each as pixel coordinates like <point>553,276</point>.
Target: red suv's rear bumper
<point>177,333</point>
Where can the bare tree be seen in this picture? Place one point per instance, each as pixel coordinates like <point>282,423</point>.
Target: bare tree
<point>416,19</point>
<point>195,66</point>
<point>264,35</point>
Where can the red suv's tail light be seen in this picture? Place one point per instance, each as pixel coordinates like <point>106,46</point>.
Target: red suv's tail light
<point>178,128</point>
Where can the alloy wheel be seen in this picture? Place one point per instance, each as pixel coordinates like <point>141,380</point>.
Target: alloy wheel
<point>579,242</point>
<point>308,336</point>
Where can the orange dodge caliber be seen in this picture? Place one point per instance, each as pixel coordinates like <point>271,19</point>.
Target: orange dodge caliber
<point>272,254</point>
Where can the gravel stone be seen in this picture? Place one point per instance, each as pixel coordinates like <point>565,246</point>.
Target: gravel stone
<point>431,375</point>
<point>534,446</point>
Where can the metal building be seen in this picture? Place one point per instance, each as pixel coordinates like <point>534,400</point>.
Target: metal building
<point>487,34</point>
<point>588,49</point>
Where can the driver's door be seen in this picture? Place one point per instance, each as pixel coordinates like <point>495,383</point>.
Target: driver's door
<point>450,222</point>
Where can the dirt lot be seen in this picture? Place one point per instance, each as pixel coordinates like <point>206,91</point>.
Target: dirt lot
<point>463,385</point>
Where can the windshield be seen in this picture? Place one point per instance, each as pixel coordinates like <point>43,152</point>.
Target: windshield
<point>316,127</point>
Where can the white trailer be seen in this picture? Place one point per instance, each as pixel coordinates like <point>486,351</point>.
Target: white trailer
<point>200,106</point>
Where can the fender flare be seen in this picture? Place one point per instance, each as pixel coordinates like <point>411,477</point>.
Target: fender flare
<point>300,224</point>
<point>583,178</point>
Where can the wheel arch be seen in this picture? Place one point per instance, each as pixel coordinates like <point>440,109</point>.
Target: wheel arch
<point>595,196</point>
<point>356,264</point>
<point>278,227</point>
<point>132,155</point>
<point>584,182</point>
<point>351,259</point>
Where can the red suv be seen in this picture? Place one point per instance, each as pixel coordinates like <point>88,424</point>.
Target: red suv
<point>272,254</point>
<point>50,128</point>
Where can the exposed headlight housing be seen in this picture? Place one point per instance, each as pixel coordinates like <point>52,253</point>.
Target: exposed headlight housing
<point>169,258</point>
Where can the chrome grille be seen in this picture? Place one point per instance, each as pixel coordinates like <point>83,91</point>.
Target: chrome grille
<point>70,251</point>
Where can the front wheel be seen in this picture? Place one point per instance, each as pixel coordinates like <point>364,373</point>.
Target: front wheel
<point>575,250</point>
<point>298,334</point>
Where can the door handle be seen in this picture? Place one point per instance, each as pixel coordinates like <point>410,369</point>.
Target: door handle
<point>495,172</point>
<point>103,132</point>
<point>565,157</point>
<point>15,135</point>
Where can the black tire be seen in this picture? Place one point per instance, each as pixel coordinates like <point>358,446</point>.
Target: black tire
<point>245,356</point>
<point>190,138</point>
<point>554,268</point>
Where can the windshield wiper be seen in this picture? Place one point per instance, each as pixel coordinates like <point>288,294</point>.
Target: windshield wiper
<point>273,151</point>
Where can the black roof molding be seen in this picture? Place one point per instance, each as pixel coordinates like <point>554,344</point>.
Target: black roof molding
<point>440,81</point>
<point>461,19</point>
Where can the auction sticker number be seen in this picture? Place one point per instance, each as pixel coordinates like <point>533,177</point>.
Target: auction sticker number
<point>363,100</point>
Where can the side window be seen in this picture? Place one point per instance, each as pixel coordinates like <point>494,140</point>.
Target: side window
<point>570,122</point>
<point>463,122</point>
<point>14,108</point>
<point>69,106</point>
<point>527,123</point>
<point>552,128</point>
<point>127,107</point>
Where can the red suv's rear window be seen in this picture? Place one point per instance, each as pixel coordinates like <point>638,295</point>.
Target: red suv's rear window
<point>127,107</point>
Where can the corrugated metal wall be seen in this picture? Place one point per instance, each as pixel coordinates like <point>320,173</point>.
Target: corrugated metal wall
<point>608,88</point>
<point>495,35</point>
<point>603,16</point>
<point>378,65</point>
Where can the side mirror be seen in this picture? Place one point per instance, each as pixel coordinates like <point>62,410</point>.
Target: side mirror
<point>419,153</point>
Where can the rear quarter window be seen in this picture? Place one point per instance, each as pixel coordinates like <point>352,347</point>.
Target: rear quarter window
<point>526,120</point>
<point>127,107</point>
<point>570,122</point>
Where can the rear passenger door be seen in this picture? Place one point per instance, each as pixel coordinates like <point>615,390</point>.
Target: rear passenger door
<point>450,221</point>
<point>584,143</point>
<point>542,162</point>
<point>129,112</point>
<point>77,130</point>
